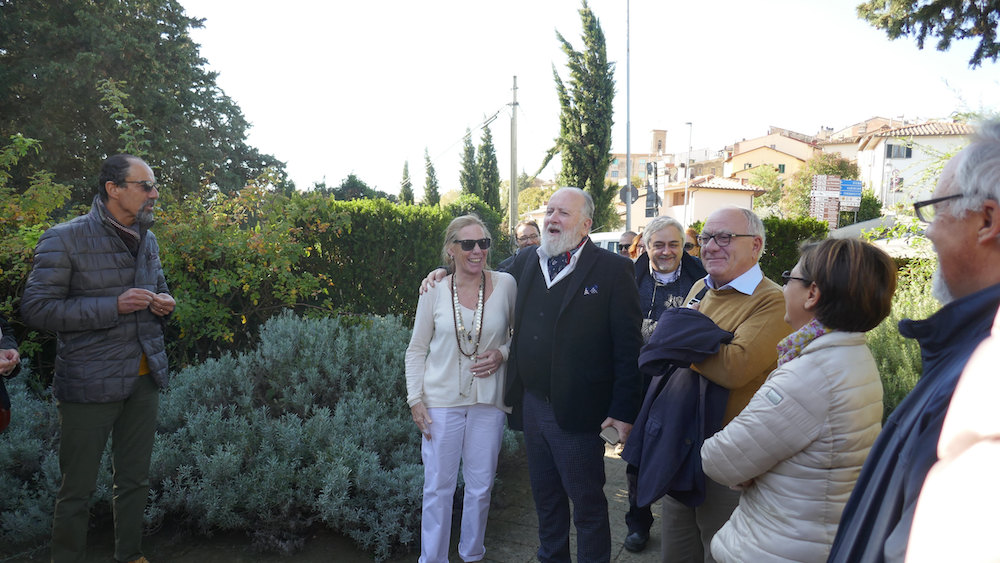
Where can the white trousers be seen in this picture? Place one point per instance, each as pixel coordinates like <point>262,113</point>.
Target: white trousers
<point>471,435</point>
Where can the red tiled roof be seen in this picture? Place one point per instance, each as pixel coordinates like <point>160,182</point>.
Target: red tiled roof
<point>928,130</point>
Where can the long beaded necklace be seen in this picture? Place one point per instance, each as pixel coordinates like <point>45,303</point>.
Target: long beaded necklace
<point>460,332</point>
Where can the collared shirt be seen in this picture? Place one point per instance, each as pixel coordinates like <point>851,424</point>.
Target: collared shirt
<point>744,283</point>
<point>664,279</point>
<point>543,263</point>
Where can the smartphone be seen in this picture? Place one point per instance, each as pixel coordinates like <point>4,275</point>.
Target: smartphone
<point>610,435</point>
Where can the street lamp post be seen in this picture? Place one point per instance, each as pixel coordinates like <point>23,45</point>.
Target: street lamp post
<point>687,174</point>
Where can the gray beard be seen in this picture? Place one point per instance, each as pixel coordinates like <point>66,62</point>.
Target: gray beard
<point>557,244</point>
<point>939,289</point>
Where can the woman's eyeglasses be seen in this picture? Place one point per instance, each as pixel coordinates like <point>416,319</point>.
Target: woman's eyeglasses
<point>787,275</point>
<point>467,245</point>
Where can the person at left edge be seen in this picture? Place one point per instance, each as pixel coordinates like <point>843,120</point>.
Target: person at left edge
<point>455,367</point>
<point>10,364</point>
<point>98,283</point>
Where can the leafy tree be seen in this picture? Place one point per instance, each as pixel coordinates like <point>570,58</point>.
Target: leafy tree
<point>406,186</point>
<point>489,172</point>
<point>767,177</point>
<point>469,176</point>
<point>795,201</point>
<point>431,195</point>
<point>944,19</point>
<point>585,118</point>
<point>67,68</point>
<point>533,198</point>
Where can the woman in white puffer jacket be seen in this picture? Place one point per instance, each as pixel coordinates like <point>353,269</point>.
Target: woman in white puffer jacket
<point>797,448</point>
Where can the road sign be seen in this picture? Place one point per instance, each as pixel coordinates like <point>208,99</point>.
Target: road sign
<point>850,188</point>
<point>622,195</point>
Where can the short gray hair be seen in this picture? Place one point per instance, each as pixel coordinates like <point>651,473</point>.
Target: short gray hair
<point>755,226</point>
<point>658,224</point>
<point>588,202</point>
<point>978,174</point>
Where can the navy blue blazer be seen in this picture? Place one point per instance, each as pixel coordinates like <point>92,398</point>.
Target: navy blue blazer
<point>594,369</point>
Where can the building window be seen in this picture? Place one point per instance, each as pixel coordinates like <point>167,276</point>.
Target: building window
<point>781,169</point>
<point>747,166</point>
<point>615,162</point>
<point>614,173</point>
<point>678,198</point>
<point>898,151</point>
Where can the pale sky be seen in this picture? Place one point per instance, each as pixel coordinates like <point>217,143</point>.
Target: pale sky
<point>333,88</point>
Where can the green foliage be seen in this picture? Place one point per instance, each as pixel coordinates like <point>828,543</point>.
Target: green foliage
<point>795,200</point>
<point>898,358</point>
<point>585,119</point>
<point>870,208</point>
<point>406,186</point>
<point>353,188</point>
<point>53,55</point>
<point>533,198</point>
<point>308,428</point>
<point>944,19</point>
<point>133,132</point>
<point>489,172</point>
<point>432,196</point>
<point>767,178</point>
<point>783,239</point>
<point>469,176</point>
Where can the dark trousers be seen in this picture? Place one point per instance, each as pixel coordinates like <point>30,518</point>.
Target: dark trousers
<point>638,518</point>
<point>84,429</point>
<point>566,466</point>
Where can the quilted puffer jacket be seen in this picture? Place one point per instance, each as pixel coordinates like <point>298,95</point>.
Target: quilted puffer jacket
<point>80,268</point>
<point>802,440</point>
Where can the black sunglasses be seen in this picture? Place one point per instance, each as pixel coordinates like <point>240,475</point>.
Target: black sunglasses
<point>467,245</point>
<point>688,246</point>
<point>146,184</point>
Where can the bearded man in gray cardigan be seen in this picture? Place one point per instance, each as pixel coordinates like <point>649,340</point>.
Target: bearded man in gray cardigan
<point>98,283</point>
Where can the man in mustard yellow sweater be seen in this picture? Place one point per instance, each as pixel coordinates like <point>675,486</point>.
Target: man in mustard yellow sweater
<point>739,299</point>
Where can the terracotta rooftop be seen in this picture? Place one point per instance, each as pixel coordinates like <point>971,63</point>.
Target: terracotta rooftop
<point>928,129</point>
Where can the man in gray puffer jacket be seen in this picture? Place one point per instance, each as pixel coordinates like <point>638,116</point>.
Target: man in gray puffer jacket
<point>98,283</point>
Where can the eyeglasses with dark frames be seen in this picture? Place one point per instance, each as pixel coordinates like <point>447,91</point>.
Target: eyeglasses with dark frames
<point>721,239</point>
<point>787,275</point>
<point>925,209</point>
<point>146,184</point>
<point>469,244</point>
<point>688,246</point>
<point>528,237</point>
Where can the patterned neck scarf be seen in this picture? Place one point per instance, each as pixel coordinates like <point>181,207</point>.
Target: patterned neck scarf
<point>558,262</point>
<point>791,347</point>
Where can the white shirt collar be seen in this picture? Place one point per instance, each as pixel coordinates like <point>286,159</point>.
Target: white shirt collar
<point>745,283</point>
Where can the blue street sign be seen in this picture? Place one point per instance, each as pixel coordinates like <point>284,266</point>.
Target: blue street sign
<point>850,188</point>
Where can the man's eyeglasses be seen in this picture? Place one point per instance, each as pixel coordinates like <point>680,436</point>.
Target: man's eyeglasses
<point>527,237</point>
<point>467,245</point>
<point>787,275</point>
<point>721,239</point>
<point>925,209</point>
<point>689,245</point>
<point>146,184</point>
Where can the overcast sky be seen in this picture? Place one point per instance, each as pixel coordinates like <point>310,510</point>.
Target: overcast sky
<point>333,88</point>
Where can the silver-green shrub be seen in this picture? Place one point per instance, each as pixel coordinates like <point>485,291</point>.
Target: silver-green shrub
<point>310,428</point>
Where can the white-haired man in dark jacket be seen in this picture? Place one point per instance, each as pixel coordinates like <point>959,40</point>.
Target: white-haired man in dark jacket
<point>98,283</point>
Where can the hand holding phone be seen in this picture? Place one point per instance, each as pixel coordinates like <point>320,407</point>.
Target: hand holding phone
<point>610,435</point>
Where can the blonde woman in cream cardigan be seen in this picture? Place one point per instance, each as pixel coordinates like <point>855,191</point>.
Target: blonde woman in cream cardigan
<point>455,370</point>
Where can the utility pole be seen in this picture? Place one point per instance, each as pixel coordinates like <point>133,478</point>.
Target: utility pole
<point>628,124</point>
<point>687,175</point>
<point>512,206</point>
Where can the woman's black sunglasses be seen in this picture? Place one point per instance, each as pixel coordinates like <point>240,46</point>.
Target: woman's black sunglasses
<point>467,245</point>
